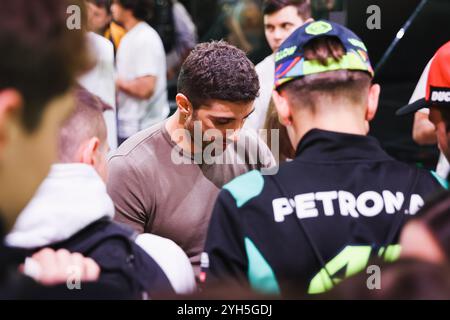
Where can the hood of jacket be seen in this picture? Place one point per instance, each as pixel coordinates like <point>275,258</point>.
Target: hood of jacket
<point>71,197</point>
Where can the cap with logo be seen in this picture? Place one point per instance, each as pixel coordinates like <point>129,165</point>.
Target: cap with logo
<point>290,62</point>
<point>438,84</point>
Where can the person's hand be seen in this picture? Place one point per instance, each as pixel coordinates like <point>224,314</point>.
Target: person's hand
<point>424,131</point>
<point>119,84</point>
<point>51,268</point>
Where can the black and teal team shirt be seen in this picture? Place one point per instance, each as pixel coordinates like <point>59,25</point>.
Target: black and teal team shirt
<point>317,221</point>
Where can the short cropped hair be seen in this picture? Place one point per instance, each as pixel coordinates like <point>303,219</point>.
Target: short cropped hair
<point>218,71</point>
<point>85,122</point>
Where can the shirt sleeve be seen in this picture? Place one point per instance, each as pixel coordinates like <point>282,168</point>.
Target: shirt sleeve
<point>224,259</point>
<point>132,203</point>
<point>150,57</point>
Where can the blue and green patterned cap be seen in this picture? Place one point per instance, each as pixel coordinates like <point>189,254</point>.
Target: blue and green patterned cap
<point>291,64</point>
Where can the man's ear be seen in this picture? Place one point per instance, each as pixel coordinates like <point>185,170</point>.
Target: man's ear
<point>283,109</point>
<point>184,105</point>
<point>372,101</point>
<point>10,104</point>
<point>89,151</point>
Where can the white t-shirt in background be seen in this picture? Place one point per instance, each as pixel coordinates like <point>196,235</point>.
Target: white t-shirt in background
<point>100,81</point>
<point>266,74</point>
<point>141,53</point>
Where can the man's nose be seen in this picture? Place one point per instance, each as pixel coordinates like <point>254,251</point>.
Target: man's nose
<point>278,34</point>
<point>232,135</point>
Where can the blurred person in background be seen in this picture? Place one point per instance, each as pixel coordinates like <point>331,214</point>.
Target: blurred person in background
<point>185,39</point>
<point>179,35</point>
<point>428,236</point>
<point>431,105</point>
<point>281,18</point>
<point>423,128</point>
<point>100,21</point>
<point>141,70</point>
<point>244,23</point>
<point>100,80</point>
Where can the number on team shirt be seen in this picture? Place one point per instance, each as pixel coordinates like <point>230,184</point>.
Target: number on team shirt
<point>354,259</point>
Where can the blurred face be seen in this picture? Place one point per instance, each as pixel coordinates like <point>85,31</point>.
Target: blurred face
<point>25,158</point>
<point>118,12</point>
<point>251,16</point>
<point>279,25</point>
<point>98,18</point>
<point>219,116</point>
<point>419,243</point>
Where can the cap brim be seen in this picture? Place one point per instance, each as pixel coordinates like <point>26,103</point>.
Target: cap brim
<point>413,107</point>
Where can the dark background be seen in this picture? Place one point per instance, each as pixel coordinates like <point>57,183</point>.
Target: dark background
<point>399,76</point>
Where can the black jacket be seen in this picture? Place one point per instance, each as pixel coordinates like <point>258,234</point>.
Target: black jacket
<point>16,286</point>
<point>339,201</point>
<point>123,263</point>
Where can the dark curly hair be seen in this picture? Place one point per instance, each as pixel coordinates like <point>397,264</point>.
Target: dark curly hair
<point>218,71</point>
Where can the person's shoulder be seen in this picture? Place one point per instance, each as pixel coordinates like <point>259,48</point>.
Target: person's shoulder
<point>267,65</point>
<point>245,187</point>
<point>103,44</point>
<point>148,34</point>
<point>147,140</point>
<point>97,238</point>
<point>434,179</point>
<point>428,179</point>
<point>141,35</point>
<point>101,47</point>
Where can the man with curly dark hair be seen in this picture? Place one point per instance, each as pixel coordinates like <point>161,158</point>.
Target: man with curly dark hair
<point>164,180</point>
